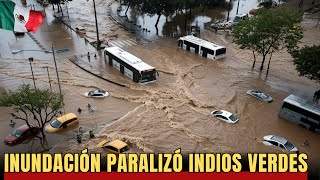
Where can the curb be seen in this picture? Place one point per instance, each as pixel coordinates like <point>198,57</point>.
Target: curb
<point>75,58</point>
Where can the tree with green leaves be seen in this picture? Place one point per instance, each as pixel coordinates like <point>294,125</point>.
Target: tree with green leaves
<point>157,7</point>
<point>307,61</point>
<point>269,31</point>
<point>33,105</point>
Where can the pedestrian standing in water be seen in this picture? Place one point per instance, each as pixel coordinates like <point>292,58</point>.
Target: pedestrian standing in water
<point>317,96</point>
<point>300,3</point>
<point>79,110</point>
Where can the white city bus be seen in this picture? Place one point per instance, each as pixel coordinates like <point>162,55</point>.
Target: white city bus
<point>302,112</point>
<point>202,47</point>
<point>130,65</point>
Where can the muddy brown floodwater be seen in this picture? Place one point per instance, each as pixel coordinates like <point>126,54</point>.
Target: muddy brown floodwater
<point>175,111</point>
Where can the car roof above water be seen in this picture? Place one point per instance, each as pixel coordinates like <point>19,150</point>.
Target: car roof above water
<point>225,113</point>
<point>279,139</point>
<point>99,91</point>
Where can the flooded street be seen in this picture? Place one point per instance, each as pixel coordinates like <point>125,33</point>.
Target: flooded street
<point>175,111</point>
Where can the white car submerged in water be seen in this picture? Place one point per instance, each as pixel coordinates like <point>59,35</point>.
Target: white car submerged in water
<point>97,94</point>
<point>260,95</point>
<point>225,116</point>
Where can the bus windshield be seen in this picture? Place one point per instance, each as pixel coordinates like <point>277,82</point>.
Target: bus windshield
<point>147,76</point>
<point>221,51</point>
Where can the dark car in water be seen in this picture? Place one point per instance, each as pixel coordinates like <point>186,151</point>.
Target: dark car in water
<point>21,134</point>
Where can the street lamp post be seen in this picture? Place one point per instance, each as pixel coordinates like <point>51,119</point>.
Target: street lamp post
<point>54,59</point>
<point>55,64</point>
<point>95,15</point>
<point>238,7</point>
<point>49,79</point>
<point>229,7</point>
<point>34,82</point>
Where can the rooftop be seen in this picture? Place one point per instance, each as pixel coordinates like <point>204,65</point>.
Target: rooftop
<point>303,103</point>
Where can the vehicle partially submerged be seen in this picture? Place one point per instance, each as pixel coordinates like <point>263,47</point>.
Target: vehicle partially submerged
<point>222,24</point>
<point>21,134</point>
<point>225,116</point>
<point>97,94</point>
<point>115,146</point>
<point>81,30</point>
<point>231,23</point>
<point>240,17</point>
<point>260,95</point>
<point>280,142</point>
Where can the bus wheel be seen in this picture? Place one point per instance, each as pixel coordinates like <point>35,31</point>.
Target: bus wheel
<point>301,125</point>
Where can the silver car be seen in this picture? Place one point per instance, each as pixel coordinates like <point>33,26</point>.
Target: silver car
<point>277,141</point>
<point>97,94</point>
<point>260,95</point>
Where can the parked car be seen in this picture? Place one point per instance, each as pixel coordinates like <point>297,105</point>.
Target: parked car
<point>21,134</point>
<point>115,146</point>
<point>225,116</point>
<point>222,25</point>
<point>277,141</point>
<point>62,122</point>
<point>97,94</point>
<point>260,95</point>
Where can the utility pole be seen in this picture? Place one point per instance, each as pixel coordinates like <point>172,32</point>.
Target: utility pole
<point>55,64</point>
<point>49,79</point>
<point>34,82</point>
<point>67,10</point>
<point>238,7</point>
<point>229,10</point>
<point>95,15</point>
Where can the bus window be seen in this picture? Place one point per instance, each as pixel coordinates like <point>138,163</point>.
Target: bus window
<point>208,49</point>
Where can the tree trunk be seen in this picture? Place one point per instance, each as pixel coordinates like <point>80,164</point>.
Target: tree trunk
<point>262,63</point>
<point>268,65</point>
<point>157,30</point>
<point>185,24</point>
<point>254,60</point>
<point>52,7</point>
<point>127,9</point>
<point>61,9</point>
<point>42,132</point>
<point>159,15</point>
<point>190,12</point>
